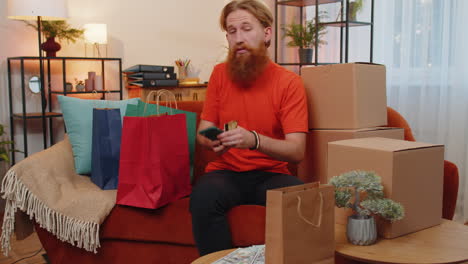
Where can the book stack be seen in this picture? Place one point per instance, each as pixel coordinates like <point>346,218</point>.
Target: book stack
<point>146,76</point>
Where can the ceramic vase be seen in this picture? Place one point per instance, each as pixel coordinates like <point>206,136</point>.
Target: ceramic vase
<point>51,47</point>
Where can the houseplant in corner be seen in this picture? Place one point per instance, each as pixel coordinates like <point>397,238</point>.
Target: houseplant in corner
<point>4,150</point>
<point>369,200</point>
<point>57,29</point>
<point>304,36</point>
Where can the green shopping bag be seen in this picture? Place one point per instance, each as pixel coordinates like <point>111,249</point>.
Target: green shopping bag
<point>152,109</point>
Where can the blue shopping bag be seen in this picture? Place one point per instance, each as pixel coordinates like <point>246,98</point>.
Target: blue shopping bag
<point>105,153</point>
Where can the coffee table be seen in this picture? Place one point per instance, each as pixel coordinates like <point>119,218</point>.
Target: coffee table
<point>445,243</point>
<point>212,257</point>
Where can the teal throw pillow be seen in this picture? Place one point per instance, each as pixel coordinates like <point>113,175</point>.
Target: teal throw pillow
<point>78,118</point>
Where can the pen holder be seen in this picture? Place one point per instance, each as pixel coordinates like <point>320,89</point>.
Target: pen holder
<point>182,72</point>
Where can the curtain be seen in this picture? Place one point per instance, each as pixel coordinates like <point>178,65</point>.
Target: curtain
<point>423,44</point>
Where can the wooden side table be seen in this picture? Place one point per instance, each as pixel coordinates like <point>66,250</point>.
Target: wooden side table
<point>446,243</point>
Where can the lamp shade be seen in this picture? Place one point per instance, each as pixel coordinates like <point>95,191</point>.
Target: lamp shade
<point>95,33</point>
<point>31,9</point>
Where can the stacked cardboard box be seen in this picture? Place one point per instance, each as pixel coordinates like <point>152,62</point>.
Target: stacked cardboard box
<point>345,101</point>
<point>314,166</point>
<point>411,172</point>
<point>347,106</point>
<point>346,96</point>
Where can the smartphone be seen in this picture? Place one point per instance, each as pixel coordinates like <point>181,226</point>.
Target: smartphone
<point>211,132</point>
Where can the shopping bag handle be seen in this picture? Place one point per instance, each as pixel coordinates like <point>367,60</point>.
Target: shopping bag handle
<point>302,216</point>
<point>158,95</point>
<point>168,93</point>
<point>106,102</point>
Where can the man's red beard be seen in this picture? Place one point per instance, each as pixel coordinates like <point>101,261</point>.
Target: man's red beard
<point>247,67</point>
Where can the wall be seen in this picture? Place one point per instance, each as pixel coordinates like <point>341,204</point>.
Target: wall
<point>140,32</point>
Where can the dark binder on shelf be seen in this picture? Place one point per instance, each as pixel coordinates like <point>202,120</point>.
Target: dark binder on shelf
<point>152,76</point>
<point>150,68</point>
<point>155,83</point>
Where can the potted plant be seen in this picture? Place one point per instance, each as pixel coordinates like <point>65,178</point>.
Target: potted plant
<point>79,85</point>
<point>57,29</point>
<point>4,150</point>
<point>369,200</point>
<point>353,8</point>
<point>305,36</point>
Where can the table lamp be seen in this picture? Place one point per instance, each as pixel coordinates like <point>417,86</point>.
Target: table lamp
<point>96,34</point>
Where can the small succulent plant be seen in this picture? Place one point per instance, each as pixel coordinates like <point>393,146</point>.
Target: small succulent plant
<point>368,195</point>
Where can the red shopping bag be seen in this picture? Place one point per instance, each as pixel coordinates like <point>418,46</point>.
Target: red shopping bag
<point>154,161</point>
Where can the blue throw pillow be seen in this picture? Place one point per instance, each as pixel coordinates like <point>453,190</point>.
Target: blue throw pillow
<point>78,117</point>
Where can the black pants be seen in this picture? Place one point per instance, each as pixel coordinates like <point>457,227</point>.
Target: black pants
<point>218,191</point>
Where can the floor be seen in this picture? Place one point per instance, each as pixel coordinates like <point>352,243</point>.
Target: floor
<point>24,249</point>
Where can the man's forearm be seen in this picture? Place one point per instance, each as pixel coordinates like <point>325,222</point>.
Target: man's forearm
<point>290,149</point>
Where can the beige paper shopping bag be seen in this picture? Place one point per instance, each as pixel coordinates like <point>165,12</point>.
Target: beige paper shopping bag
<point>300,224</point>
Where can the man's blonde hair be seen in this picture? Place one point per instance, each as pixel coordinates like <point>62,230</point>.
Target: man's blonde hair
<point>255,7</point>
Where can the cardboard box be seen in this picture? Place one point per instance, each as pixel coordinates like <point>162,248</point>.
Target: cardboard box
<point>346,96</point>
<point>314,165</point>
<point>411,172</point>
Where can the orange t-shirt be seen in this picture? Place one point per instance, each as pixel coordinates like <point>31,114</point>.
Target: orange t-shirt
<point>273,106</point>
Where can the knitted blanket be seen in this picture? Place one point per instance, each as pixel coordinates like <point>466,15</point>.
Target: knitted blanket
<point>46,187</point>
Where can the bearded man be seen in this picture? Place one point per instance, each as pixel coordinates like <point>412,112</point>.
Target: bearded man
<point>269,104</point>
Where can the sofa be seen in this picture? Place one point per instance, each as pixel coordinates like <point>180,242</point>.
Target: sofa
<point>164,235</point>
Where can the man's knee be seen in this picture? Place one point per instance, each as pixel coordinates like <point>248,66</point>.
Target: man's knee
<point>213,194</point>
<point>202,195</point>
<point>281,180</point>
<point>273,182</point>
<point>292,180</point>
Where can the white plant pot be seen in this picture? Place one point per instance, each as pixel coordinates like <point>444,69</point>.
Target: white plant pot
<point>361,231</point>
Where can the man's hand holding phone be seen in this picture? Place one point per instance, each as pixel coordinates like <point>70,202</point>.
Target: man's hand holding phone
<point>212,134</point>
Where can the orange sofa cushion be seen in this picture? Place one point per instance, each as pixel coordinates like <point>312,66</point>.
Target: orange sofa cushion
<point>173,224</point>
